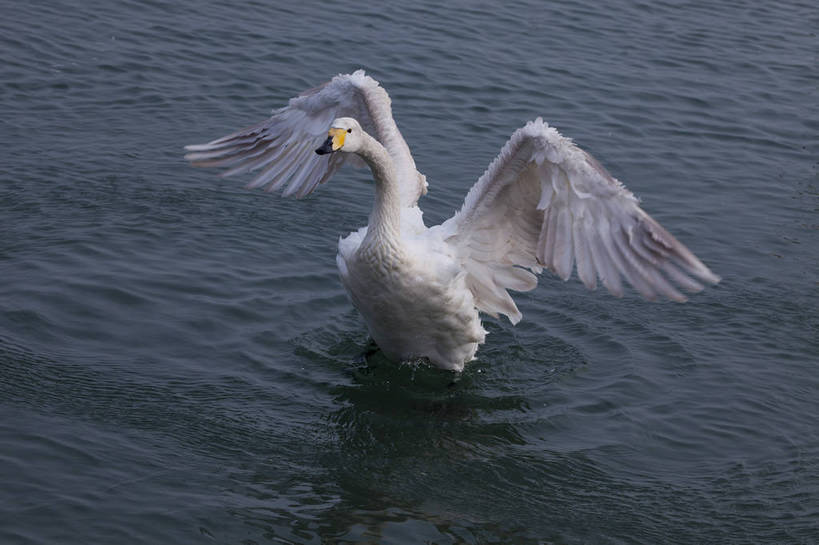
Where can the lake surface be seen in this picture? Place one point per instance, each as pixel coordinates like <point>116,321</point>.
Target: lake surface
<point>179,362</point>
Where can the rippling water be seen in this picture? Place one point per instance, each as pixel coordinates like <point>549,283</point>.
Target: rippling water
<point>179,363</point>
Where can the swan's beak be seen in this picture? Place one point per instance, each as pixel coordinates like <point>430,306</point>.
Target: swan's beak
<point>326,147</point>
<point>335,139</point>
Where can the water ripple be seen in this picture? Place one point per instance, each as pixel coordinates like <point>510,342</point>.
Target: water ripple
<point>179,363</point>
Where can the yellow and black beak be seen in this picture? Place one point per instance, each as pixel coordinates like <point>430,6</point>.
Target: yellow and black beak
<point>335,139</point>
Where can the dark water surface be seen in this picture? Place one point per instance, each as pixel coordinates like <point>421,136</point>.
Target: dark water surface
<point>179,363</point>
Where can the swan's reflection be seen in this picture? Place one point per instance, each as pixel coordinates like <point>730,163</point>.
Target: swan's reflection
<point>408,439</point>
<point>412,453</point>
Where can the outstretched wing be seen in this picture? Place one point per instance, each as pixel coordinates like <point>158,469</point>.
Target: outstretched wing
<point>281,148</point>
<point>544,202</point>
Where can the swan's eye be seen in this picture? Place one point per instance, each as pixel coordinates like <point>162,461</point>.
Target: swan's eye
<point>349,130</point>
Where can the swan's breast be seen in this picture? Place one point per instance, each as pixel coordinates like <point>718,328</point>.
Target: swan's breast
<point>415,303</point>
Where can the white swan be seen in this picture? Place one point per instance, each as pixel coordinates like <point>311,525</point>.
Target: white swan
<point>542,202</point>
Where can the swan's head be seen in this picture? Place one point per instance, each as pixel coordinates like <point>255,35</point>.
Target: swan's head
<point>345,134</point>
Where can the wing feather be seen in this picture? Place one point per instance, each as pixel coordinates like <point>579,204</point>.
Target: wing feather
<point>544,202</point>
<point>563,257</point>
<point>281,147</point>
<point>582,252</point>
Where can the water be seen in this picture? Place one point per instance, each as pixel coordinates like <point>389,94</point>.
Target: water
<point>179,363</point>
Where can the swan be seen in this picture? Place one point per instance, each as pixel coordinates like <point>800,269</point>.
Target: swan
<point>542,203</point>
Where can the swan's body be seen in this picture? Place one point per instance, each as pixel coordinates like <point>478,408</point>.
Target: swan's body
<point>543,202</point>
<point>401,276</point>
<point>414,299</point>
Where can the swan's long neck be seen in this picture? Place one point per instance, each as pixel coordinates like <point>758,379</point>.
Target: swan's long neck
<point>384,231</point>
